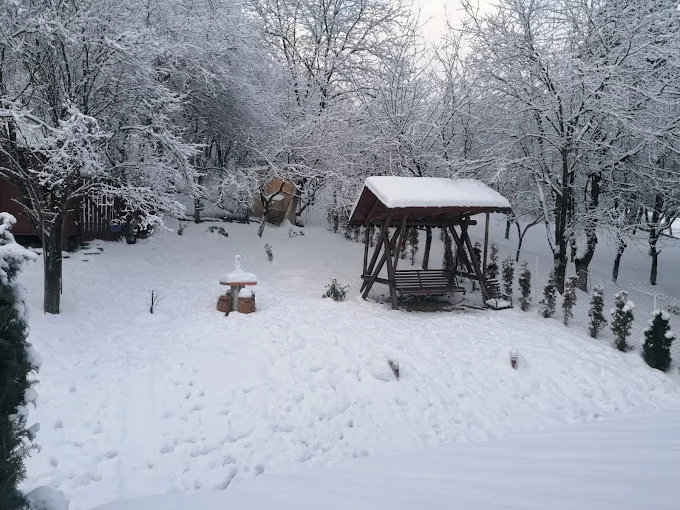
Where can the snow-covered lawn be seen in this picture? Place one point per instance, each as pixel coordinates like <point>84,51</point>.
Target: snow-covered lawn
<point>133,404</point>
<point>626,463</point>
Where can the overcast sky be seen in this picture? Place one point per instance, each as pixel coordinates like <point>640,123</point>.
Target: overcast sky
<point>436,11</point>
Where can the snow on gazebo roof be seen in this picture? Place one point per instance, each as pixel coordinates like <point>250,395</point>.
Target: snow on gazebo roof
<point>425,198</point>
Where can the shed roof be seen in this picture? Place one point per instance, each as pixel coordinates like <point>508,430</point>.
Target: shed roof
<point>424,199</point>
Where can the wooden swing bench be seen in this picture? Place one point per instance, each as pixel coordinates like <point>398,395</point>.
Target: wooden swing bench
<point>421,282</point>
<point>393,204</point>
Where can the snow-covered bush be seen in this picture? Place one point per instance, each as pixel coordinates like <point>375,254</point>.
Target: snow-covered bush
<point>656,350</point>
<point>155,298</point>
<point>336,291</point>
<point>492,266</point>
<point>269,252</point>
<point>549,300</point>
<point>508,276</point>
<point>569,299</point>
<point>17,361</point>
<point>412,239</point>
<point>621,319</point>
<point>596,313</point>
<point>524,281</point>
<point>219,230</point>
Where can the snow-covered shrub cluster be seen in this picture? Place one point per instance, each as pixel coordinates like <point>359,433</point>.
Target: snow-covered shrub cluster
<point>656,350</point>
<point>596,313</point>
<point>336,291</point>
<point>524,281</point>
<point>569,299</point>
<point>549,300</point>
<point>17,361</point>
<point>621,320</point>
<point>268,252</point>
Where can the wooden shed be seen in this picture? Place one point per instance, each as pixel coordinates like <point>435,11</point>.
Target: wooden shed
<point>283,193</point>
<point>89,219</point>
<point>401,202</point>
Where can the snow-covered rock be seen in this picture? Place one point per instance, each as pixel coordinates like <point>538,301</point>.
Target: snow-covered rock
<point>46,498</point>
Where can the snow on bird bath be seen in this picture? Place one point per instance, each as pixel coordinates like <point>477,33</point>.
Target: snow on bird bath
<point>238,275</point>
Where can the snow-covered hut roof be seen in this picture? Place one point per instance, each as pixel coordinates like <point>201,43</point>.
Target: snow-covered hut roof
<point>425,199</point>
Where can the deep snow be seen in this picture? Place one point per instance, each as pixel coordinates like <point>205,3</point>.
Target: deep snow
<point>133,404</point>
<point>626,463</point>
<point>396,192</point>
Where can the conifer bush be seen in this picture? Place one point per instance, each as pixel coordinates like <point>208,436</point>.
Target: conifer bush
<point>508,276</point>
<point>597,320</point>
<point>336,291</point>
<point>492,266</point>
<point>524,281</point>
<point>656,350</point>
<point>621,320</point>
<point>569,299</point>
<point>413,244</point>
<point>549,300</point>
<point>17,361</point>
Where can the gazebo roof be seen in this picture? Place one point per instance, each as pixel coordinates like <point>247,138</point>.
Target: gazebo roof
<point>425,200</point>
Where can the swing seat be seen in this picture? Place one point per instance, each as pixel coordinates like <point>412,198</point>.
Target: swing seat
<point>431,281</point>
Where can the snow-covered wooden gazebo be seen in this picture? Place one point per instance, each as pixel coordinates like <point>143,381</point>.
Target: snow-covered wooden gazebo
<point>401,202</point>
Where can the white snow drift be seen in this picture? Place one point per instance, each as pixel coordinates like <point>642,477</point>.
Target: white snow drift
<point>188,399</point>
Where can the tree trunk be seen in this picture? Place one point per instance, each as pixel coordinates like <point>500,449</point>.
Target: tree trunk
<point>655,264</point>
<point>617,260</point>
<point>583,263</point>
<point>507,229</point>
<point>197,210</point>
<point>519,247</point>
<point>53,269</point>
<point>263,222</point>
<point>428,245</point>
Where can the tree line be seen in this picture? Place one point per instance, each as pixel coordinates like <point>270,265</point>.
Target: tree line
<point>570,108</point>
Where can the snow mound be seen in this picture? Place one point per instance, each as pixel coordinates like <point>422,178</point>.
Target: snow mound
<point>189,399</point>
<point>626,463</point>
<point>245,293</point>
<point>46,498</point>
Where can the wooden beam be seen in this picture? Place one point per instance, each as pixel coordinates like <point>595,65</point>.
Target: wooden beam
<point>460,250</point>
<point>475,263</point>
<point>373,268</point>
<point>400,242</point>
<point>391,276</point>
<point>367,242</point>
<point>377,280</point>
<point>376,252</point>
<point>486,243</point>
<point>416,223</point>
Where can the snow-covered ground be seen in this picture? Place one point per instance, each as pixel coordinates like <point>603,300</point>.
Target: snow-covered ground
<point>133,404</point>
<point>625,463</point>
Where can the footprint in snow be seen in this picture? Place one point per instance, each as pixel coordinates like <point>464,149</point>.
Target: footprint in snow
<point>168,448</point>
<point>111,454</point>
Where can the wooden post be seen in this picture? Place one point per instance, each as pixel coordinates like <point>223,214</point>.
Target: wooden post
<point>373,268</point>
<point>486,244</point>
<point>400,242</point>
<point>475,263</point>
<point>460,249</point>
<point>374,258</point>
<point>367,242</point>
<point>391,276</point>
